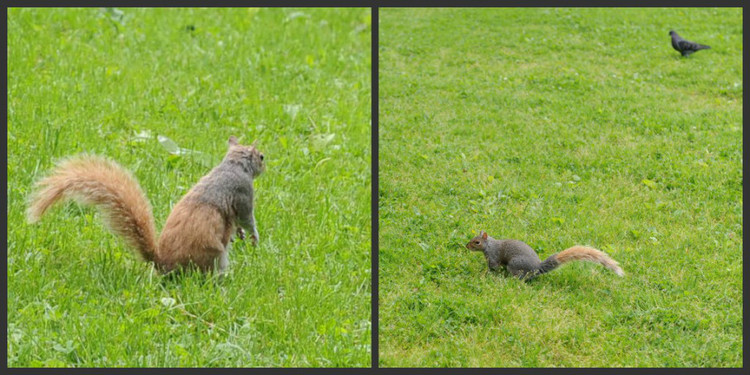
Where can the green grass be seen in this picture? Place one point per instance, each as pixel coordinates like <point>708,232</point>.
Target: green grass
<point>298,81</point>
<point>561,127</point>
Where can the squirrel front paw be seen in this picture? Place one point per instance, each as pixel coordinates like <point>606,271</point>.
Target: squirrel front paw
<point>255,238</point>
<point>241,233</point>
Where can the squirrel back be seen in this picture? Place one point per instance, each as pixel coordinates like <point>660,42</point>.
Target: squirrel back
<point>523,262</point>
<point>198,230</point>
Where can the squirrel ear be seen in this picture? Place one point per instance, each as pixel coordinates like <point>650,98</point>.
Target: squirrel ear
<point>232,141</point>
<point>484,235</point>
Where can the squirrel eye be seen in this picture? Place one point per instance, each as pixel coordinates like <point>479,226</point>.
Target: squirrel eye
<point>261,157</point>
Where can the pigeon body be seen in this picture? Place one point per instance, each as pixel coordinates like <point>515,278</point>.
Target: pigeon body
<point>685,47</point>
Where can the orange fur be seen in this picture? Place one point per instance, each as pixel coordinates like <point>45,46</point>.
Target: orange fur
<point>194,233</point>
<point>591,255</point>
<point>197,232</point>
<point>100,182</point>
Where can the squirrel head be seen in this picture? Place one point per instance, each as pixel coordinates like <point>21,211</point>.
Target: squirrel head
<point>479,242</point>
<point>249,157</point>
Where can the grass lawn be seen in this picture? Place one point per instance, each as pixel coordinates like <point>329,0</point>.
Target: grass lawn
<point>112,82</point>
<point>561,127</point>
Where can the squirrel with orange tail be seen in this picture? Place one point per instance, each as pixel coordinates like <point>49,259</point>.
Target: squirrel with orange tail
<point>523,262</point>
<point>197,233</point>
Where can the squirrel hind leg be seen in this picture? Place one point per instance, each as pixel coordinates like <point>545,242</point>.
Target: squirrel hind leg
<point>522,271</point>
<point>525,275</point>
<point>223,262</point>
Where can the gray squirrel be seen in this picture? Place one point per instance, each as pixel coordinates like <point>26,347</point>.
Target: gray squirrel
<point>523,262</point>
<point>197,232</point>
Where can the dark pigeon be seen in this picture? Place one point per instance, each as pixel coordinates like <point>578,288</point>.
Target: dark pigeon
<point>685,47</point>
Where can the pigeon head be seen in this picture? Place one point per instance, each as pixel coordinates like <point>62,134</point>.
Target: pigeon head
<point>671,32</point>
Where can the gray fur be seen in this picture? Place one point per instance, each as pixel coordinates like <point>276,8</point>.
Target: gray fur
<point>224,259</point>
<point>229,187</point>
<point>523,262</point>
<point>199,230</point>
<point>517,257</point>
<point>549,264</point>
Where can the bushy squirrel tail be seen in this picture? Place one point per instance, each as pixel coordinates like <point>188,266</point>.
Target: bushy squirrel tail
<point>580,253</point>
<point>96,181</point>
